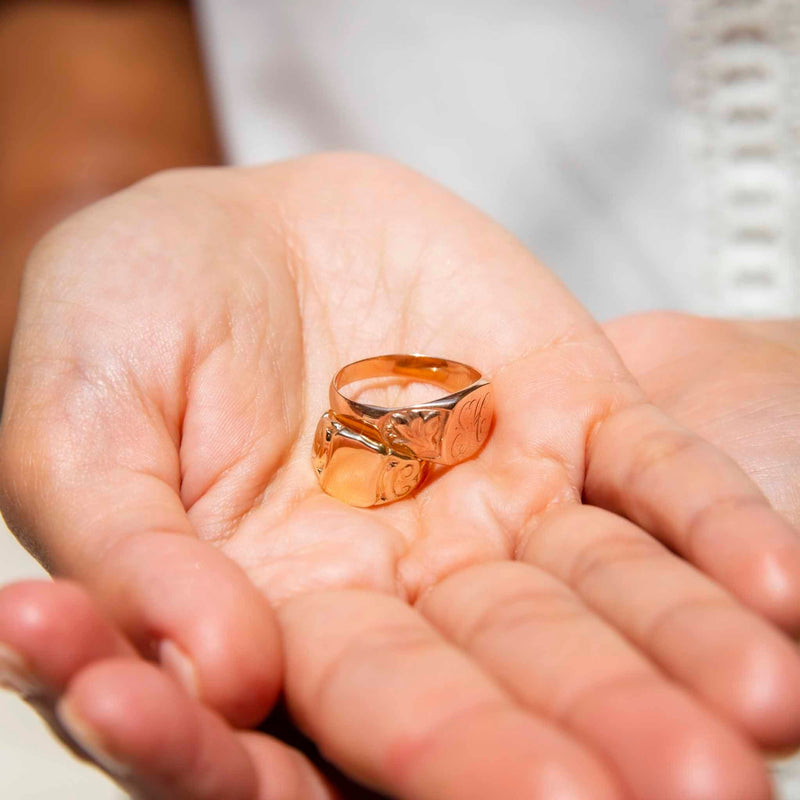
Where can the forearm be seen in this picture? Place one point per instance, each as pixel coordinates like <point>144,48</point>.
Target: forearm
<point>93,96</point>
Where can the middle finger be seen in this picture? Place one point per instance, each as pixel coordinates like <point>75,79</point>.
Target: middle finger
<point>556,657</point>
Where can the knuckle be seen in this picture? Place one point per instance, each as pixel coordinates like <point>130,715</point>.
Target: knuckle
<point>619,544</point>
<point>656,449</point>
<point>530,607</point>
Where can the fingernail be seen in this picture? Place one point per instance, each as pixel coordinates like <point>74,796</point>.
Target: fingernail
<point>178,664</point>
<point>15,673</point>
<point>88,740</point>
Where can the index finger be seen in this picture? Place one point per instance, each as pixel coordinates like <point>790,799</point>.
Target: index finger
<point>698,502</point>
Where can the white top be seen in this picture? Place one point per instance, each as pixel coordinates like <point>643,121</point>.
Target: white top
<point>646,151</point>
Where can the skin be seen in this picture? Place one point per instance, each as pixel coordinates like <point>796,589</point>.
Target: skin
<point>734,383</point>
<point>173,352</point>
<point>695,367</point>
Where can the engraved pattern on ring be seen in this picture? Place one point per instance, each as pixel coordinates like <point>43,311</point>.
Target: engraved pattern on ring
<point>368,455</point>
<point>399,479</point>
<point>418,430</point>
<point>471,420</point>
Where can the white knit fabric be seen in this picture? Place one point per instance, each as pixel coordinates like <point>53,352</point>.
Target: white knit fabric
<point>646,151</point>
<point>738,79</point>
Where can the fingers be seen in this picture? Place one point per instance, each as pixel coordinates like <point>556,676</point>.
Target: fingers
<point>698,502</point>
<point>398,708</point>
<point>558,659</point>
<point>126,716</point>
<point>49,632</point>
<point>690,627</point>
<point>145,731</point>
<point>198,613</point>
<point>181,602</point>
<point>734,383</point>
<point>285,774</point>
<point>177,598</point>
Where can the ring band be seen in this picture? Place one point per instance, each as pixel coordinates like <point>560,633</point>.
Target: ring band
<point>368,455</point>
<point>445,431</point>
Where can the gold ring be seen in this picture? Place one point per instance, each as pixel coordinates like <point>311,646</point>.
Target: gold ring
<point>368,455</point>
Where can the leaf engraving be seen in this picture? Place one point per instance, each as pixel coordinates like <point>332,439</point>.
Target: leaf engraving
<point>418,431</point>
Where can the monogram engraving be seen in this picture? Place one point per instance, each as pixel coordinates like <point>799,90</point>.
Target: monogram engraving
<point>418,431</point>
<point>398,479</point>
<point>470,425</point>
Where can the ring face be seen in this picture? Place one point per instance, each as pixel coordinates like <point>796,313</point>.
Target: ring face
<point>360,471</point>
<point>442,435</point>
<point>368,455</point>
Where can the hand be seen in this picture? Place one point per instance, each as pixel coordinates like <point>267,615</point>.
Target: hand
<point>735,383</point>
<point>127,716</point>
<point>489,637</point>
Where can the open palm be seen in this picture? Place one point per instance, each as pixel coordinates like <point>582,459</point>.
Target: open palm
<point>507,631</point>
<point>736,383</point>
